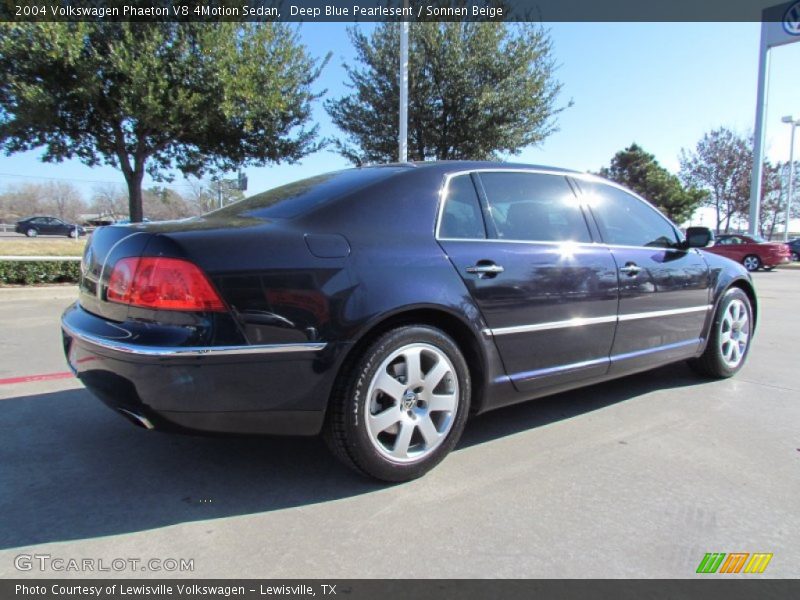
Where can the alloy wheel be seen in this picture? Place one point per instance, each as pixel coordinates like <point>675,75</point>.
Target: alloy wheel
<point>751,263</point>
<point>412,402</point>
<point>734,333</point>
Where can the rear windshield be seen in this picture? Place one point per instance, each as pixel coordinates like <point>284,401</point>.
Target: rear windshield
<point>299,197</point>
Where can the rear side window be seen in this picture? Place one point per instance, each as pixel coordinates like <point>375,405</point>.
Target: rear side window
<point>302,196</point>
<point>624,220</point>
<point>534,207</point>
<point>462,217</point>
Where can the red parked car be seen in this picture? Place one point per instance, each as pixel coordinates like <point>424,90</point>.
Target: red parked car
<point>752,251</point>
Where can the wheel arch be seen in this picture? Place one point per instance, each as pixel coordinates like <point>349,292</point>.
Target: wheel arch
<point>749,290</point>
<point>741,283</point>
<point>439,317</point>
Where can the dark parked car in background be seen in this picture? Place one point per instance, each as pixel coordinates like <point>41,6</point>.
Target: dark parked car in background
<point>33,226</point>
<point>382,306</point>
<point>794,248</point>
<point>752,251</point>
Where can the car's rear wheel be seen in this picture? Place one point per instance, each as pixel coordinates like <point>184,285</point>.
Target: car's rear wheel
<point>729,341</point>
<point>31,232</point>
<point>73,233</point>
<point>402,405</point>
<point>751,262</point>
<point>795,256</point>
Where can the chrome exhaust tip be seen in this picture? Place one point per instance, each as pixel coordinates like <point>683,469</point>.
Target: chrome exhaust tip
<point>136,419</point>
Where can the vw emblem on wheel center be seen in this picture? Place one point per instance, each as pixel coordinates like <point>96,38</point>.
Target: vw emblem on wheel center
<point>409,400</point>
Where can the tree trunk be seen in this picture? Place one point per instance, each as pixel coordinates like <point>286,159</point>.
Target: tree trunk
<point>135,196</point>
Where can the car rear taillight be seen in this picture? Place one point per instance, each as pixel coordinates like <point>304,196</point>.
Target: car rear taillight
<point>162,284</point>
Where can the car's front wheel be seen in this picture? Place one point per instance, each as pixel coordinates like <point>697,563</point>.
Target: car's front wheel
<point>751,262</point>
<point>795,256</point>
<point>402,405</point>
<point>729,341</point>
<point>31,232</point>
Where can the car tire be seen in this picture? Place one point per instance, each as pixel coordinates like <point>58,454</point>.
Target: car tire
<point>383,424</point>
<point>751,262</point>
<point>795,256</point>
<point>31,232</point>
<point>73,233</point>
<point>730,337</point>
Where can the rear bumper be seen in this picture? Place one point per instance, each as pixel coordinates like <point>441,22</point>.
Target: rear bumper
<point>774,261</point>
<point>271,389</point>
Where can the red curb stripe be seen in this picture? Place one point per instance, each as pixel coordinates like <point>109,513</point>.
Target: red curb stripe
<point>31,378</point>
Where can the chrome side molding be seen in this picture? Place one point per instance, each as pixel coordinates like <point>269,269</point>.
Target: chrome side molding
<point>583,321</point>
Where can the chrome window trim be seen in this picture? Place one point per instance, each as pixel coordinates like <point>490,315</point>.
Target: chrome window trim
<point>584,321</point>
<point>189,351</point>
<point>587,244</point>
<point>446,182</point>
<point>589,177</point>
<point>578,194</point>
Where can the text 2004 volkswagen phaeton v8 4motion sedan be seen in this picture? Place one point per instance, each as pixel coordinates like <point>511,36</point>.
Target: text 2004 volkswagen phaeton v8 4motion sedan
<point>382,306</point>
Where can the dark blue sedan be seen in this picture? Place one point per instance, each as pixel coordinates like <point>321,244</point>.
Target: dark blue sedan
<point>382,306</point>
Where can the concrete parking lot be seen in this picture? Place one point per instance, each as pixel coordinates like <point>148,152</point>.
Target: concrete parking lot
<point>638,477</point>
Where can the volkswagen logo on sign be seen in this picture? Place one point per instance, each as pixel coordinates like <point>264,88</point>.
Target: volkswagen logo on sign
<point>791,20</point>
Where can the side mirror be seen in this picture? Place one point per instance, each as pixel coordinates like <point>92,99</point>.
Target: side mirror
<point>699,237</point>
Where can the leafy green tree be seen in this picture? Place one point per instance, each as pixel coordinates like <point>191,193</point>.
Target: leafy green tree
<point>475,90</point>
<point>640,171</point>
<point>721,164</point>
<point>152,97</point>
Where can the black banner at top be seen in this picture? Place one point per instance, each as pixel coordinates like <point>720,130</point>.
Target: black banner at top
<point>310,11</point>
<point>399,589</point>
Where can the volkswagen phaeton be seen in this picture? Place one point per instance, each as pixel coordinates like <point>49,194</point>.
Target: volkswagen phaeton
<point>382,306</point>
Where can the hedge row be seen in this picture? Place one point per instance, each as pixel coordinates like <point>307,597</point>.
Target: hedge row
<point>27,272</point>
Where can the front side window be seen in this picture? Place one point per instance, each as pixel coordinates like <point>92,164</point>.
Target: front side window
<point>534,207</point>
<point>462,217</point>
<point>624,220</point>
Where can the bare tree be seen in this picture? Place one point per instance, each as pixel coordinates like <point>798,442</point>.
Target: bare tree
<point>59,199</point>
<point>63,200</point>
<point>19,201</point>
<point>111,201</point>
<point>774,190</point>
<point>721,165</point>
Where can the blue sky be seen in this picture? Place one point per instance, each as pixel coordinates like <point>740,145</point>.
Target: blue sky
<point>661,85</point>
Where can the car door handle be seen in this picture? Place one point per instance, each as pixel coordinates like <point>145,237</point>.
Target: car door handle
<point>485,269</point>
<point>631,269</point>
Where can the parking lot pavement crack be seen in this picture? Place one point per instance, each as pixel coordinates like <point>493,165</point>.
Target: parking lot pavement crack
<point>769,385</point>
